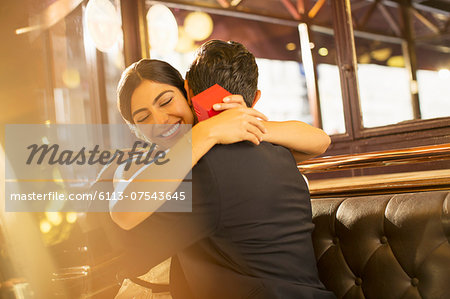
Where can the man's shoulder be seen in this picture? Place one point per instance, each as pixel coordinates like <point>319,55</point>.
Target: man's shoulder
<point>246,148</point>
<point>246,153</point>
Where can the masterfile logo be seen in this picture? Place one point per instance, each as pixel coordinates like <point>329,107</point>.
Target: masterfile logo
<point>76,167</point>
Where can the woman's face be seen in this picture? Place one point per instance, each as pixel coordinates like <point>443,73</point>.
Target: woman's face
<point>164,108</point>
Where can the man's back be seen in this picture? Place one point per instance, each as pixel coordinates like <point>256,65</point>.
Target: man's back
<point>261,247</point>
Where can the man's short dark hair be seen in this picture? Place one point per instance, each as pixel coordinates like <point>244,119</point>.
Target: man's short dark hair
<point>228,64</point>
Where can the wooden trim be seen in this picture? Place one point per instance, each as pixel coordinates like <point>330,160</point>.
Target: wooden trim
<point>346,57</point>
<point>144,43</point>
<point>223,3</point>
<point>301,7</point>
<point>387,38</point>
<point>406,126</point>
<point>409,52</point>
<point>291,9</point>
<point>360,4</point>
<point>415,4</point>
<point>315,9</point>
<point>132,48</point>
<point>381,184</point>
<point>376,159</point>
<point>433,136</point>
<point>340,138</point>
<point>368,14</point>
<point>425,21</point>
<point>229,12</point>
<point>390,19</point>
<point>103,103</point>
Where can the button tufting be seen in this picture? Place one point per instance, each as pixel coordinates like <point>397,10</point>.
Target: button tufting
<point>383,240</point>
<point>414,282</point>
<point>358,281</point>
<point>335,240</point>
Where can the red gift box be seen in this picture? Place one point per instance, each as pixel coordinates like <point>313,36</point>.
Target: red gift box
<point>204,101</point>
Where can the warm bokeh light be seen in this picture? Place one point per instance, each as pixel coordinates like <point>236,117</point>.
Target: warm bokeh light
<point>162,29</point>
<point>103,24</point>
<point>291,46</point>
<point>45,226</point>
<point>323,51</point>
<point>28,29</point>
<point>381,54</point>
<point>185,42</point>
<point>58,180</point>
<point>396,61</point>
<point>364,58</point>
<point>71,78</point>
<point>198,25</point>
<point>71,217</point>
<point>54,218</point>
<point>235,2</point>
<point>414,87</point>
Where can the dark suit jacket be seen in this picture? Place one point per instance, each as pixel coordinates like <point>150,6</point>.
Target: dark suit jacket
<point>249,235</point>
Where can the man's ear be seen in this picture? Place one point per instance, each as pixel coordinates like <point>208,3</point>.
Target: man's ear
<point>257,97</point>
<point>189,92</point>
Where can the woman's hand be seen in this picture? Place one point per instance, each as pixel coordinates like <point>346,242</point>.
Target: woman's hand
<point>235,125</point>
<point>230,102</point>
<point>241,124</point>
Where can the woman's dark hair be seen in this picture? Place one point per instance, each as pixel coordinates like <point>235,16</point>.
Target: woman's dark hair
<point>145,69</point>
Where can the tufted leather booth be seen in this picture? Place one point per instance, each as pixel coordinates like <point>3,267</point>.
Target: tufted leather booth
<point>384,246</point>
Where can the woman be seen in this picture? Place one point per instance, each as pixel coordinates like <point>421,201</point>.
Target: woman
<point>152,92</point>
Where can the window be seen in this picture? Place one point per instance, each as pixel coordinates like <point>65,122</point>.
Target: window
<point>329,84</point>
<point>384,84</point>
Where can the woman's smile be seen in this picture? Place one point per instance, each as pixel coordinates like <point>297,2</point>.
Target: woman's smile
<point>164,108</point>
<point>171,130</point>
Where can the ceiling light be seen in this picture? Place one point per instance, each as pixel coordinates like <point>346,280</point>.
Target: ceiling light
<point>71,217</point>
<point>103,24</point>
<point>323,51</point>
<point>45,226</point>
<point>364,58</point>
<point>198,25</point>
<point>381,54</point>
<point>396,61</point>
<point>291,46</point>
<point>54,218</point>
<point>162,29</point>
<point>71,78</point>
<point>235,2</point>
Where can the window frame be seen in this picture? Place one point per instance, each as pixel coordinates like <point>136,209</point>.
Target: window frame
<point>350,92</point>
<point>136,47</point>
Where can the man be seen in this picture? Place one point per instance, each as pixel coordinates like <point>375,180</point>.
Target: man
<point>249,235</point>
